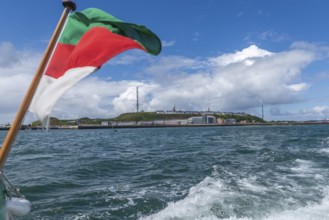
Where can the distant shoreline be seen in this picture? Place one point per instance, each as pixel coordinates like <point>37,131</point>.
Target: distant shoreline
<point>196,125</point>
<point>179,126</point>
<point>24,127</point>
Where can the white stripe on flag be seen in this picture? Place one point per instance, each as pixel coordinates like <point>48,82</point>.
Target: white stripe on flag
<point>50,90</point>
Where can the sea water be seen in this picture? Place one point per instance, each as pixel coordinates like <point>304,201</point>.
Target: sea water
<point>205,173</point>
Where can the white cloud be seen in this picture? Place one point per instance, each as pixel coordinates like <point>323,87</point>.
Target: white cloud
<point>168,43</point>
<point>8,55</point>
<point>322,111</point>
<point>229,82</point>
<point>273,36</point>
<point>16,72</point>
<point>245,55</point>
<point>298,87</point>
<point>167,69</point>
<point>225,82</point>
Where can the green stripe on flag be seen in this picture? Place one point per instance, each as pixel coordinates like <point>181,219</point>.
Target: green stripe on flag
<point>80,22</point>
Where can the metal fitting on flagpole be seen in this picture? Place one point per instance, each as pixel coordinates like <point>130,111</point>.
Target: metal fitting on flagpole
<point>69,4</point>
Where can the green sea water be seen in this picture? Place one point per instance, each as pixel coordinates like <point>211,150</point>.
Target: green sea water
<point>206,173</point>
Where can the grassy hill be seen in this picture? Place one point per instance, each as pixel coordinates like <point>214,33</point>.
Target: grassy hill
<point>150,116</point>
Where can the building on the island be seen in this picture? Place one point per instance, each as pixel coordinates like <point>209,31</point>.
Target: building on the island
<point>145,123</point>
<point>175,122</point>
<point>194,120</point>
<point>174,111</point>
<point>182,122</point>
<point>104,123</point>
<point>230,121</point>
<point>159,122</point>
<point>209,119</point>
<point>126,123</point>
<point>201,120</point>
<point>220,121</point>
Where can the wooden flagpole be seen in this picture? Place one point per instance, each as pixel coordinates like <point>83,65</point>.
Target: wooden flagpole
<point>16,125</point>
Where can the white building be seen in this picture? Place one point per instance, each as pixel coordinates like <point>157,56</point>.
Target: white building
<point>204,119</point>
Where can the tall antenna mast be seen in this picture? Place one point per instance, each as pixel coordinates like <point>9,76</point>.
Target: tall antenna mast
<point>137,100</point>
<point>262,111</point>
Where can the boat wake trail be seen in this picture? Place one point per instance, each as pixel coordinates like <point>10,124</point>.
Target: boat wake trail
<point>236,198</point>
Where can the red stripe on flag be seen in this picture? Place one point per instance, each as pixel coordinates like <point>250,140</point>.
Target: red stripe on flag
<point>56,67</point>
<point>95,48</point>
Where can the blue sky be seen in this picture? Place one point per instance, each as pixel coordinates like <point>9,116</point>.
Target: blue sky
<point>226,55</point>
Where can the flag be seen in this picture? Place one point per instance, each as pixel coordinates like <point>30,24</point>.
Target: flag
<point>90,38</point>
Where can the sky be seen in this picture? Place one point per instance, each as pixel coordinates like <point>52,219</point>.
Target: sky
<point>222,55</point>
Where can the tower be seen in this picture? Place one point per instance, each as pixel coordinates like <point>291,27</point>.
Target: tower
<point>137,100</point>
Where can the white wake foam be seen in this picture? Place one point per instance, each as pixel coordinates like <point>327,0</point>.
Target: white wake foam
<point>205,201</point>
<point>311,212</point>
<point>197,205</point>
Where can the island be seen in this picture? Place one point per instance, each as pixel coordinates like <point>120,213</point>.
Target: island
<point>166,119</point>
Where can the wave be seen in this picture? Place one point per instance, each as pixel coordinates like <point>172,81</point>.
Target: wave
<point>214,199</point>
